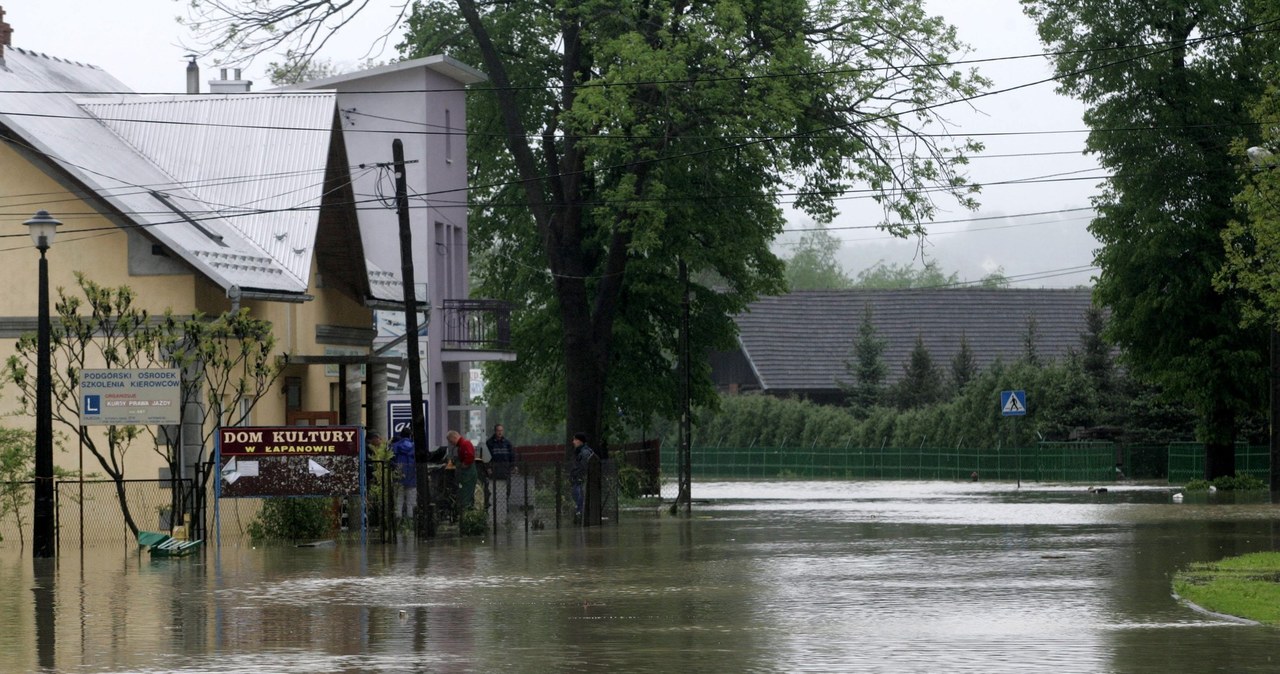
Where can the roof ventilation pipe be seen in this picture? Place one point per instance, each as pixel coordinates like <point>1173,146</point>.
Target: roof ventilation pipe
<point>193,75</point>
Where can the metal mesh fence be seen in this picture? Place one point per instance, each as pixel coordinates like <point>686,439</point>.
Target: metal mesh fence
<point>1186,461</point>
<point>1146,462</point>
<point>535,493</point>
<point>1050,462</point>
<point>89,513</point>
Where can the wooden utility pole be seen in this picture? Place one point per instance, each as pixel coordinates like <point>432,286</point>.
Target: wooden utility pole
<point>426,509</point>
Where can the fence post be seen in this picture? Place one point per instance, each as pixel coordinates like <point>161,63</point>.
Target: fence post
<point>559,492</point>
<point>591,514</point>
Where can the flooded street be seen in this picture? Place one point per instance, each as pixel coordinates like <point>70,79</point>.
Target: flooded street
<point>765,577</point>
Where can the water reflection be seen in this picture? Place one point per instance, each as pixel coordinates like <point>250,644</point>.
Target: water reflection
<point>835,576</point>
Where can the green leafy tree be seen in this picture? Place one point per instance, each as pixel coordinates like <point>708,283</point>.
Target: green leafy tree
<point>996,279</point>
<point>866,367</point>
<point>881,276</point>
<point>921,384</point>
<point>1184,72</point>
<point>296,67</point>
<point>103,329</point>
<point>619,140</point>
<point>614,134</point>
<point>964,365</point>
<point>621,128</point>
<point>813,264</point>
<point>1253,242</point>
<point>15,474</point>
<point>1030,341</point>
<point>1095,353</point>
<point>228,364</point>
<point>301,67</point>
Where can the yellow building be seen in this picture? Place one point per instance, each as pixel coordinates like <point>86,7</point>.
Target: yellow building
<point>200,204</point>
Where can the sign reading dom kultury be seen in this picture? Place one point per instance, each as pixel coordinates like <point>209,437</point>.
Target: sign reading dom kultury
<point>289,461</point>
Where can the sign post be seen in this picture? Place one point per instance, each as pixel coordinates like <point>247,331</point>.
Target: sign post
<point>1014,404</point>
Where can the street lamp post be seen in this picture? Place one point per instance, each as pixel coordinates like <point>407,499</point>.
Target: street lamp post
<point>42,227</point>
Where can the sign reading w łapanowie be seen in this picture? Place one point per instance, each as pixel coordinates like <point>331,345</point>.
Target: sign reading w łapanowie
<point>289,461</point>
<point>119,397</point>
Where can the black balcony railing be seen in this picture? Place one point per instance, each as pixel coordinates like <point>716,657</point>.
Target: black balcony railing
<point>477,325</point>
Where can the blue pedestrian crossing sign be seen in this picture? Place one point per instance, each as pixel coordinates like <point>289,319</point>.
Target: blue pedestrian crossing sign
<point>1013,403</point>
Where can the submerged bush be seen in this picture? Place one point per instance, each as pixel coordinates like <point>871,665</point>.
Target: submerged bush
<point>631,482</point>
<point>473,523</point>
<point>1237,482</point>
<point>292,519</point>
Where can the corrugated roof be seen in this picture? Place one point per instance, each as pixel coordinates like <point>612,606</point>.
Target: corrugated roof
<point>208,176</point>
<point>801,341</point>
<point>256,160</point>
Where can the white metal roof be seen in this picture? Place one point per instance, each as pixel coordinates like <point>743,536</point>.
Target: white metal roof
<point>445,65</point>
<point>231,183</point>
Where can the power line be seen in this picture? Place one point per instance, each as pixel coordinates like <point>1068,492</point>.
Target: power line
<point>930,234</point>
<point>1257,28</point>
<point>880,117</point>
<point>870,119</point>
<point>889,67</point>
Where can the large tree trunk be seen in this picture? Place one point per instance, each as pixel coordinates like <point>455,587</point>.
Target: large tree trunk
<point>1220,445</point>
<point>585,366</point>
<point>586,311</point>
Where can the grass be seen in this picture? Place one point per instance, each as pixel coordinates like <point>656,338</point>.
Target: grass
<point>1247,586</point>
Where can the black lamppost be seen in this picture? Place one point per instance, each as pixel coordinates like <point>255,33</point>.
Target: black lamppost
<point>43,227</point>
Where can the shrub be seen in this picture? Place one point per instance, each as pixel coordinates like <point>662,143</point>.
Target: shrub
<point>293,519</point>
<point>1237,482</point>
<point>473,523</point>
<point>631,482</point>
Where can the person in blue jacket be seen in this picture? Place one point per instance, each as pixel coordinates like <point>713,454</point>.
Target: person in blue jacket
<point>406,465</point>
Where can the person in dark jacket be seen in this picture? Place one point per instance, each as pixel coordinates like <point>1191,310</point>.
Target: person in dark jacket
<point>501,453</point>
<point>582,454</point>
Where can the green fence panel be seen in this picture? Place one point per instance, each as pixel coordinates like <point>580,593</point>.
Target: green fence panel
<point>1186,461</point>
<point>1050,462</point>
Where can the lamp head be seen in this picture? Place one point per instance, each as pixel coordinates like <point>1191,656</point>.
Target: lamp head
<point>42,227</point>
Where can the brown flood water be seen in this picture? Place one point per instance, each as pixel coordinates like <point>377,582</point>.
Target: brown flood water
<point>765,577</point>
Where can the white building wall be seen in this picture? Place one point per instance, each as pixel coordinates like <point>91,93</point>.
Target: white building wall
<point>426,110</point>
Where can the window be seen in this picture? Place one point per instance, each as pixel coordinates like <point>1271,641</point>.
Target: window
<point>293,393</point>
<point>448,137</point>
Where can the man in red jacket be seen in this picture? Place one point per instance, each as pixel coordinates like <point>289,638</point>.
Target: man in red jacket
<point>466,470</point>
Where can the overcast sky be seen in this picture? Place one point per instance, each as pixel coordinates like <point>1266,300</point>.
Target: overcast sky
<point>138,41</point>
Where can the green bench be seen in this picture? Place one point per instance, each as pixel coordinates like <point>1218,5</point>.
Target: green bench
<point>164,545</point>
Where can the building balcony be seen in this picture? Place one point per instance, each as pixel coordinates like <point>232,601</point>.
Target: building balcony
<point>476,330</point>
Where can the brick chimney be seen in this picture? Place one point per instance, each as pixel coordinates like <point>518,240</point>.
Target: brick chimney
<point>6,31</point>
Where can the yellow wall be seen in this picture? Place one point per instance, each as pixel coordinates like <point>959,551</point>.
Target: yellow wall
<point>91,243</point>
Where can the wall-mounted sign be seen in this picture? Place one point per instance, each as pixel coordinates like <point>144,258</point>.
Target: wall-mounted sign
<point>400,416</point>
<point>289,461</point>
<point>116,397</point>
